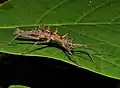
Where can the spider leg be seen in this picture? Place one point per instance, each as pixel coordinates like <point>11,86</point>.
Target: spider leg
<point>48,27</point>
<point>56,30</point>
<point>79,45</point>
<point>42,27</point>
<point>12,40</point>
<point>28,50</point>
<point>30,37</point>
<point>42,42</point>
<point>65,35</point>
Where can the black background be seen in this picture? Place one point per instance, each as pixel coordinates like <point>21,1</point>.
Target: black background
<point>36,72</point>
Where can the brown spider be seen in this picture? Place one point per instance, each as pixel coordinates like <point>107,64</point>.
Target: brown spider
<point>45,35</point>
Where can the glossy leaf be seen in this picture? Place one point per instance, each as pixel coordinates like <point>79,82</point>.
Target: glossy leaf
<point>95,23</point>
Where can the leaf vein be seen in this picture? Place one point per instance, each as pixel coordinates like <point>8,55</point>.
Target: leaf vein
<point>109,61</point>
<point>48,11</point>
<point>92,10</point>
<point>61,24</point>
<point>107,28</point>
<point>98,39</point>
<point>115,18</point>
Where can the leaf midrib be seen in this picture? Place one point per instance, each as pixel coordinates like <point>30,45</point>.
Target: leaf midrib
<point>61,24</point>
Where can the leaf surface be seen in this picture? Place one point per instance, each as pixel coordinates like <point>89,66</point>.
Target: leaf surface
<point>95,23</point>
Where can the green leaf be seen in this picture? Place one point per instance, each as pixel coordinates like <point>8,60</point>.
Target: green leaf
<point>18,86</point>
<point>95,23</point>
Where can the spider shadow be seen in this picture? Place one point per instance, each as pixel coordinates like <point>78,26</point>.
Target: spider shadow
<point>70,57</point>
<point>78,52</point>
<point>53,44</point>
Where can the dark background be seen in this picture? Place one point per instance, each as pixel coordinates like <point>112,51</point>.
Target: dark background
<point>46,72</point>
<point>39,72</point>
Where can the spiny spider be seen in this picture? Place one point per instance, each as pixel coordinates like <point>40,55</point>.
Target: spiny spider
<point>45,35</point>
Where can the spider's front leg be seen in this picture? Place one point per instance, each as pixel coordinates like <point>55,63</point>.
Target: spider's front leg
<point>12,40</point>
